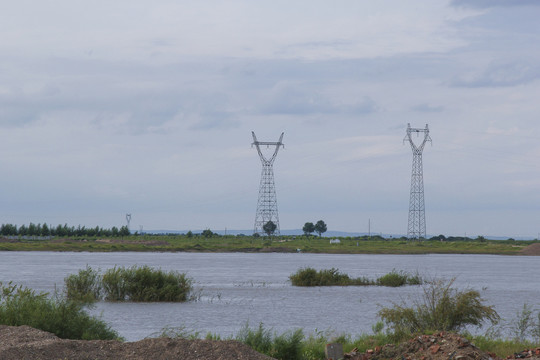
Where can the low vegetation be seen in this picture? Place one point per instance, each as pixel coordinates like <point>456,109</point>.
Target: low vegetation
<point>136,283</point>
<point>440,308</point>
<point>332,277</point>
<point>43,237</point>
<point>65,318</point>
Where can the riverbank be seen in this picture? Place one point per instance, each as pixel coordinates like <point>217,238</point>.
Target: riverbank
<point>24,342</point>
<point>181,243</point>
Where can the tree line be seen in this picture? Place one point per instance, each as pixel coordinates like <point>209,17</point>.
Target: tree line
<point>61,230</point>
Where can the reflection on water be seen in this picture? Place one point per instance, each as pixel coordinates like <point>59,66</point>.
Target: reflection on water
<point>235,288</point>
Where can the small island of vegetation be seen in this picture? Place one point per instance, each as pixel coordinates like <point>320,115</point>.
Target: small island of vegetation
<point>332,277</point>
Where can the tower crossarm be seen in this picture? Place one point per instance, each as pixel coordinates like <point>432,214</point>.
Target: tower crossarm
<point>277,144</point>
<point>417,149</point>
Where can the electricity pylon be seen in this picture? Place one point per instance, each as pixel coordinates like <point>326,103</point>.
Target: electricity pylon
<point>417,212</point>
<point>267,204</point>
<point>128,220</point>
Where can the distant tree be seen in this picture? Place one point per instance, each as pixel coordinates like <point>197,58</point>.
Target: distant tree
<point>269,228</point>
<point>45,230</point>
<point>114,231</point>
<point>8,229</point>
<point>33,230</point>
<point>320,227</point>
<point>124,231</point>
<point>23,230</point>
<point>308,228</point>
<point>207,233</point>
<point>189,234</point>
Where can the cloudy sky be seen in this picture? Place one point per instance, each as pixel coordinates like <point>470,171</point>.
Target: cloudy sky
<point>147,107</point>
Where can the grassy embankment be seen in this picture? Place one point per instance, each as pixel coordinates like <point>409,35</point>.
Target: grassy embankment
<point>359,245</point>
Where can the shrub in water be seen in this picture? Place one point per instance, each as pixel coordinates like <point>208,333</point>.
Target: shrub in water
<point>142,283</point>
<point>332,277</point>
<point>146,284</point>
<point>137,283</point>
<point>441,307</point>
<point>84,286</point>
<point>114,285</point>
<point>311,277</point>
<point>62,317</point>
<point>399,278</point>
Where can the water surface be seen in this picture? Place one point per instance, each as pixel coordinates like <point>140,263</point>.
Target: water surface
<point>239,288</point>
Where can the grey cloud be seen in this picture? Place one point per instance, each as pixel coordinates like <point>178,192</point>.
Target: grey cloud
<point>340,45</point>
<point>428,108</point>
<point>500,75</point>
<point>493,3</point>
<point>301,101</point>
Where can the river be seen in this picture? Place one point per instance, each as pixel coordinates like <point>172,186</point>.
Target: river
<point>235,289</point>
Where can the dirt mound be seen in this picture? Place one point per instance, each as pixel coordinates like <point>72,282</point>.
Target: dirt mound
<point>24,342</point>
<point>442,346</point>
<point>533,249</point>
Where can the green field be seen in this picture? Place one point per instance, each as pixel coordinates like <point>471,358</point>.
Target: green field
<point>230,243</point>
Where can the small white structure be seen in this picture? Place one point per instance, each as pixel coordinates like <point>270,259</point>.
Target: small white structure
<point>335,241</point>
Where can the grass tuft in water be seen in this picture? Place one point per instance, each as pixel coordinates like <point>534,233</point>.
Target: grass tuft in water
<point>136,283</point>
<point>332,277</point>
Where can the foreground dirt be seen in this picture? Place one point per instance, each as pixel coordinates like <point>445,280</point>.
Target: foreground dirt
<point>441,346</point>
<point>26,343</point>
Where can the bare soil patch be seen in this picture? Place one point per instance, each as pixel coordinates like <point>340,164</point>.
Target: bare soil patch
<point>441,346</point>
<point>533,249</point>
<point>24,342</point>
<point>140,242</point>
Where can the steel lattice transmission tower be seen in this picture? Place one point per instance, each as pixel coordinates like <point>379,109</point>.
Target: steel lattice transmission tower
<point>128,220</point>
<point>267,204</point>
<point>417,211</point>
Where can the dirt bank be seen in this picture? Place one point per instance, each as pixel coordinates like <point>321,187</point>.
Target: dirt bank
<point>25,343</point>
<point>533,249</point>
<point>441,346</point>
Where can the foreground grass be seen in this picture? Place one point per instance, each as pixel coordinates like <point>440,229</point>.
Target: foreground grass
<point>296,345</point>
<point>64,318</point>
<point>359,245</point>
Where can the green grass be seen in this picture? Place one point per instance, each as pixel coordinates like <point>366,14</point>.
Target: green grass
<point>501,347</point>
<point>136,283</point>
<point>332,277</point>
<point>65,318</point>
<point>229,243</point>
<point>399,278</point>
<point>84,286</point>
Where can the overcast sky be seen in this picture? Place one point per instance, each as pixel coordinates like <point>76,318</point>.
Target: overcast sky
<point>147,107</point>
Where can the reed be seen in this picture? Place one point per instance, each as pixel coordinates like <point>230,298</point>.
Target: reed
<point>332,277</point>
<point>136,283</point>
<point>83,286</point>
<point>65,318</point>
